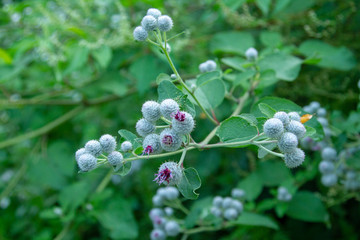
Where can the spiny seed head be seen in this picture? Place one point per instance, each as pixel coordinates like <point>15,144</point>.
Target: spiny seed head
<point>236,204</point>
<point>326,167</point>
<point>172,228</point>
<point>321,112</point>
<point>315,105</point>
<point>170,173</point>
<point>329,154</point>
<point>126,146</point>
<point>296,128</point>
<point>168,108</point>
<point>140,34</point>
<point>329,180</point>
<point>151,144</point>
<point>273,128</point>
<point>218,201</point>
<point>151,111</point>
<point>210,65</point>
<point>238,193</point>
<point>87,162</point>
<point>288,142</point>
<point>294,116</point>
<point>251,54</point>
<point>79,152</point>
<point>295,158</point>
<point>93,147</point>
<point>283,117</point>
<point>165,23</point>
<point>216,212</point>
<point>323,121</point>
<point>115,158</point>
<point>154,12</point>
<point>283,195</point>
<point>157,234</point>
<point>227,202</point>
<point>171,193</point>
<point>108,143</point>
<point>149,23</point>
<point>231,214</point>
<point>159,222</point>
<point>144,127</point>
<point>170,140</point>
<point>157,201</point>
<point>183,123</point>
<point>156,212</point>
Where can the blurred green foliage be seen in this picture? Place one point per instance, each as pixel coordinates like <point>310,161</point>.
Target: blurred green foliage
<point>70,71</point>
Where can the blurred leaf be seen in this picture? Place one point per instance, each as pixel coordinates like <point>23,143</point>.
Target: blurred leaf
<point>122,169</point>
<point>196,212</point>
<point>286,67</point>
<point>167,90</point>
<point>340,58</point>
<point>189,183</point>
<point>116,216</point>
<point>103,55</point>
<point>234,62</point>
<point>252,185</point>
<point>296,6</point>
<point>79,56</point>
<point>74,195</point>
<point>234,4</point>
<point>254,219</point>
<point>264,5</point>
<point>161,77</point>
<point>306,206</point>
<point>236,129</point>
<point>231,42</point>
<point>243,77</point>
<point>5,56</point>
<point>271,39</point>
<point>273,173</point>
<point>210,93</point>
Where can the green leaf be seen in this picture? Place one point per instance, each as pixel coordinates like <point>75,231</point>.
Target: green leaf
<point>306,206</point>
<point>340,58</point>
<point>196,211</point>
<point>5,56</point>
<point>296,6</point>
<point>267,78</point>
<point>115,215</point>
<point>162,77</point>
<point>270,39</point>
<point>267,110</point>
<point>210,93</point>
<point>242,78</point>
<point>236,129</point>
<point>103,55</point>
<point>273,173</point>
<point>254,219</point>
<point>122,169</point>
<point>204,77</point>
<point>233,4</point>
<point>189,183</point>
<point>234,62</point>
<point>252,185</point>
<point>74,195</point>
<point>79,56</point>
<point>145,70</point>
<point>231,42</point>
<point>264,5</point>
<point>129,136</point>
<point>286,67</point>
<point>167,90</point>
<point>280,104</point>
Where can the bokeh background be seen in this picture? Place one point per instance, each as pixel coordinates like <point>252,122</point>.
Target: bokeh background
<point>70,71</point>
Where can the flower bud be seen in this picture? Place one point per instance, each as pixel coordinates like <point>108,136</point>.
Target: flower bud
<point>144,127</point>
<point>321,112</point>
<point>151,111</point>
<point>115,158</point>
<point>140,34</point>
<point>126,146</point>
<point>170,173</point>
<point>172,228</point>
<point>79,152</point>
<point>171,193</point>
<point>157,201</point>
<point>295,158</point>
<point>329,180</point>
<point>288,142</point>
<point>151,144</point>
<point>326,167</point>
<point>108,143</point>
<point>169,211</point>
<point>93,147</point>
<point>168,108</point>
<point>165,23</point>
<point>236,204</point>
<point>203,67</point>
<point>251,54</point>
<point>238,193</point>
<point>218,201</point>
<point>283,195</point>
<point>149,23</point>
<point>156,212</point>
<point>87,162</point>
<point>227,202</point>
<point>283,117</point>
<point>154,12</point>
<point>157,234</point>
<point>216,212</point>
<point>210,65</point>
<point>296,128</point>
<point>273,128</point>
<point>314,105</point>
<point>230,214</point>
<point>170,140</point>
<point>328,154</point>
<point>183,123</point>
<point>294,116</point>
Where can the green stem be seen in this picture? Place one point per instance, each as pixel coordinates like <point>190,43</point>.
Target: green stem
<point>104,182</point>
<point>186,88</point>
<point>162,126</point>
<point>64,231</point>
<point>166,120</point>
<point>182,157</point>
<point>269,151</point>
